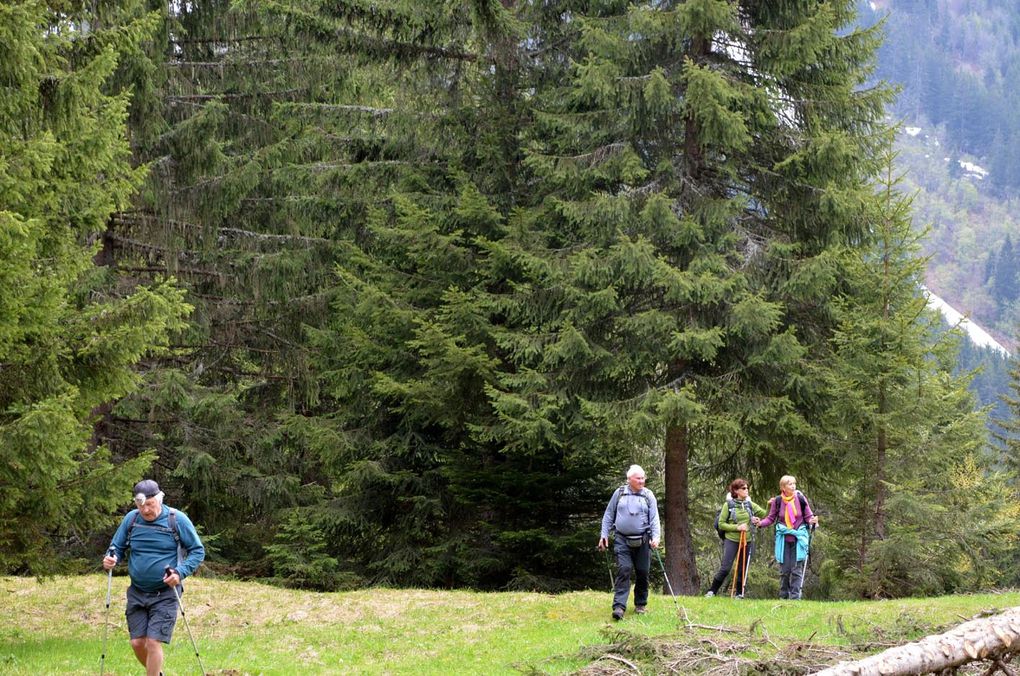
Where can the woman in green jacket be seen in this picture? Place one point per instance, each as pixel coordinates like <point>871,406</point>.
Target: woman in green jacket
<point>734,519</point>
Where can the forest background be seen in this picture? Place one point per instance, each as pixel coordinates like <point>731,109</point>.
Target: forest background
<point>384,293</point>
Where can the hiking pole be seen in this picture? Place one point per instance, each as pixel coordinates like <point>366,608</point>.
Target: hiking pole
<point>668,585</point>
<point>747,566</point>
<point>166,572</point>
<point>106,621</point>
<point>807,554</point>
<point>741,549</point>
<point>609,569</point>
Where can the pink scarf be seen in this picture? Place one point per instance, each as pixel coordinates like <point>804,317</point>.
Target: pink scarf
<point>789,509</point>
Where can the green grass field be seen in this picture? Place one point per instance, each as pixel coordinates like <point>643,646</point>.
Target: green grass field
<point>56,627</point>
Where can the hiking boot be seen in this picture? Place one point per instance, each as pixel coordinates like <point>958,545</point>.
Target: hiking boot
<point>640,610</point>
<point>709,594</point>
<point>617,613</point>
<point>739,596</point>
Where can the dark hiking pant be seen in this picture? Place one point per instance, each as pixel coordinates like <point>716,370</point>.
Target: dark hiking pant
<point>729,554</point>
<point>791,572</point>
<point>631,561</point>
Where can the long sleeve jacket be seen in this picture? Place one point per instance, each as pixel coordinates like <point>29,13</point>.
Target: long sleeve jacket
<point>740,515</point>
<point>630,513</point>
<point>804,514</point>
<point>153,548</point>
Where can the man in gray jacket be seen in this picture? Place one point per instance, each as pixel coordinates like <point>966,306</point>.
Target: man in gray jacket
<point>634,516</point>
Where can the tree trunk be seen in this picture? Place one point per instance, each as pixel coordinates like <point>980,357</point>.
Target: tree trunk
<point>693,151</point>
<point>989,638</point>
<point>880,460</point>
<point>878,525</point>
<point>681,569</point>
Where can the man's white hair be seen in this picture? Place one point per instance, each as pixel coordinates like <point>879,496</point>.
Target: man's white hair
<point>634,469</point>
<point>140,498</point>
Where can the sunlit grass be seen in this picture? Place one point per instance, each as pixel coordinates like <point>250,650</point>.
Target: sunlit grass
<point>56,627</point>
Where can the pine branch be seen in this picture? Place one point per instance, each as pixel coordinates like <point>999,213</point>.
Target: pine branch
<point>238,62</point>
<point>235,96</point>
<point>593,157</point>
<point>231,111</point>
<point>374,112</point>
<point>214,39</point>
<point>257,375</point>
<point>316,167</point>
<point>138,244</point>
<point>318,297</point>
<point>383,48</point>
<point>167,271</point>
<point>136,218</point>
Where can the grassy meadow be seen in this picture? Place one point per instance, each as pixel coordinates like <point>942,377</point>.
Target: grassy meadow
<point>56,626</point>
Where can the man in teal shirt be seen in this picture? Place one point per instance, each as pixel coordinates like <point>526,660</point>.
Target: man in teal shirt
<point>165,549</point>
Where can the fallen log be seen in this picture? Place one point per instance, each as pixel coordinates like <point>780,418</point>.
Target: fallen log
<point>992,639</point>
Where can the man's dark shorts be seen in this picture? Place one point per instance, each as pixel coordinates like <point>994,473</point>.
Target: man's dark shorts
<point>151,614</point>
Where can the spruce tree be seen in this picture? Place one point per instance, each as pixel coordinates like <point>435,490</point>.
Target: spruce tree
<point>1009,427</point>
<point>325,179</point>
<point>1007,433</point>
<point>456,265</point>
<point>71,337</point>
<point>910,471</point>
<point>1005,280</point>
<point>245,203</point>
<point>410,352</point>
<point>697,163</point>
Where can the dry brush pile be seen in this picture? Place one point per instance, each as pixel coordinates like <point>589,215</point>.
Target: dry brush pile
<point>985,645</point>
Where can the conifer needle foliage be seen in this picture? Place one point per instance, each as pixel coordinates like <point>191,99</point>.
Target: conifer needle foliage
<point>456,264</point>
<point>71,335</point>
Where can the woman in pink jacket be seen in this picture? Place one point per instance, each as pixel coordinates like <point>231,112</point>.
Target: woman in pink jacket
<point>791,513</point>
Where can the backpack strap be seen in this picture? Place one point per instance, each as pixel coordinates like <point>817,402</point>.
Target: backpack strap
<point>171,519</point>
<point>623,489</point>
<point>801,500</point>
<point>732,504</point>
<point>127,536</point>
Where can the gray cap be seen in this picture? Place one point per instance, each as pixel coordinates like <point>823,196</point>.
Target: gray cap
<point>146,487</point>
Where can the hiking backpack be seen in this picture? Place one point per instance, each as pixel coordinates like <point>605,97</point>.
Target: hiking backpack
<point>172,520</point>
<point>644,495</point>
<point>801,500</point>
<point>732,515</point>
<point>648,503</point>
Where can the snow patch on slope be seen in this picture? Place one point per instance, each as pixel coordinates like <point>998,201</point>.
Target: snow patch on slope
<point>977,335</point>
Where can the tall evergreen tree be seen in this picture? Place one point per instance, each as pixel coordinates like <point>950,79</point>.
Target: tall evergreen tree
<point>245,203</point>
<point>323,182</point>
<point>916,509</point>
<point>410,352</point>
<point>494,248</point>
<point>1009,433</point>
<point>697,163</point>
<point>70,336</point>
<point>1005,281</point>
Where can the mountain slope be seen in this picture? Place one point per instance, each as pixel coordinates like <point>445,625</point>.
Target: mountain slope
<point>958,63</point>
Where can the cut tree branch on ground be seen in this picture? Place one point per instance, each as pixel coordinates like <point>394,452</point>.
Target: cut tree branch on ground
<point>990,639</point>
